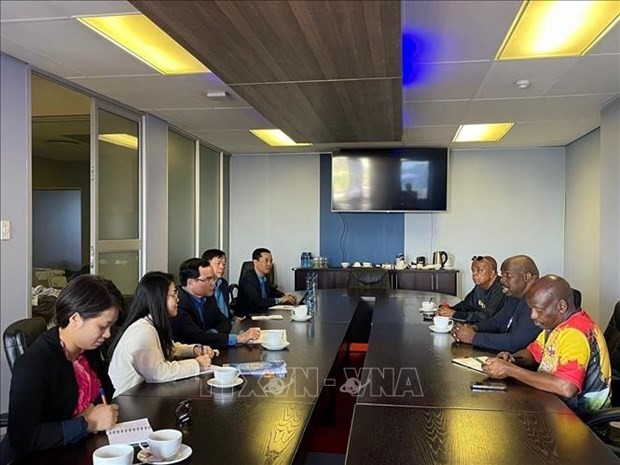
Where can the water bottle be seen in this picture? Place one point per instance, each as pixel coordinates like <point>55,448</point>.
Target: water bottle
<point>310,260</point>
<point>311,292</point>
<point>304,260</point>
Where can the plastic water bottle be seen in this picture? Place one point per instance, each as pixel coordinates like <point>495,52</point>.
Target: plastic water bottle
<point>310,260</point>
<point>311,292</point>
<point>304,260</point>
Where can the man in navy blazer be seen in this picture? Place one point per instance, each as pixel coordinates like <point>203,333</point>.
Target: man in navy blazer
<point>217,260</point>
<point>255,293</point>
<point>199,320</point>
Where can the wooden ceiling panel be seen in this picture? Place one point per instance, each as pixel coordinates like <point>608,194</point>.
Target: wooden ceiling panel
<point>322,71</point>
<point>331,111</point>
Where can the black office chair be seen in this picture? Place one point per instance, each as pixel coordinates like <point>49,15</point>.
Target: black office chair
<point>17,337</point>
<point>576,297</point>
<point>371,280</point>
<point>600,422</point>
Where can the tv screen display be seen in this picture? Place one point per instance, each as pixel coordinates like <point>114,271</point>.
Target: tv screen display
<point>397,180</point>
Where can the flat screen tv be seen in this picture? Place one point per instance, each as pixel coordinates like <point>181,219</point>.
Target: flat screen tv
<point>390,180</point>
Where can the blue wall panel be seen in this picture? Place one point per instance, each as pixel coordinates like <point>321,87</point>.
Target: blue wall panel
<point>351,237</point>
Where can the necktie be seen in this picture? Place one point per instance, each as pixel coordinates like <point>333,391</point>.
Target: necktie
<point>219,298</point>
<point>263,289</point>
<point>200,310</point>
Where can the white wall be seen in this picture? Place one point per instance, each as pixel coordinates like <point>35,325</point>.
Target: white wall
<point>610,211</point>
<point>501,203</point>
<point>274,203</point>
<point>156,194</point>
<point>582,231</point>
<point>15,201</point>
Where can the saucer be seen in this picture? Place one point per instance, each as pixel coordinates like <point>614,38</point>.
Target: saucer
<point>440,331</point>
<point>303,318</point>
<point>277,347</point>
<point>423,310</point>
<point>184,452</point>
<point>235,382</point>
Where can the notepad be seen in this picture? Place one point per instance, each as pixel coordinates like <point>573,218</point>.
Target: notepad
<point>282,307</point>
<point>276,368</point>
<point>266,317</point>
<point>473,363</point>
<point>130,432</point>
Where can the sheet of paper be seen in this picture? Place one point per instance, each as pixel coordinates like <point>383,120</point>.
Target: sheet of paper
<point>266,317</point>
<point>130,432</point>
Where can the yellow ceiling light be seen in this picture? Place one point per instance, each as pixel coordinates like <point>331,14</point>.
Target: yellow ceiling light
<point>276,138</point>
<point>139,36</point>
<point>558,28</point>
<point>481,132</point>
<point>124,140</point>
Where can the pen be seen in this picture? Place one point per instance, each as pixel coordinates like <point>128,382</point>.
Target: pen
<point>480,361</point>
<point>102,394</point>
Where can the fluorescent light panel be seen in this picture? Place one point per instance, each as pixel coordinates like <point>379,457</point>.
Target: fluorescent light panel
<point>276,138</point>
<point>138,35</point>
<point>124,140</point>
<point>558,28</point>
<point>481,132</point>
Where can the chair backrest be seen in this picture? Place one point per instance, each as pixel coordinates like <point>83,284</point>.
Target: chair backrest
<point>369,279</point>
<point>612,338</point>
<point>19,335</point>
<point>249,266</point>
<point>576,297</point>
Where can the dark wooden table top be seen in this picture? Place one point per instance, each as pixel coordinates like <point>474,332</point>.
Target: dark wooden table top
<point>403,307</point>
<point>387,435</point>
<point>410,365</point>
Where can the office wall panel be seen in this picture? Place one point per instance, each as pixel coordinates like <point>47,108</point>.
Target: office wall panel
<point>273,204</point>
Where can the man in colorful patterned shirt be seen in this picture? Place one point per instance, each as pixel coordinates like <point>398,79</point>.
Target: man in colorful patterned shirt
<point>570,352</point>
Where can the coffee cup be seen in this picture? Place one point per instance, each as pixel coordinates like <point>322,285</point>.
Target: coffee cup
<point>428,306</point>
<point>357,264</point>
<point>300,311</point>
<point>113,454</point>
<point>225,375</point>
<point>345,264</point>
<point>273,338</point>
<point>164,443</point>
<point>442,322</point>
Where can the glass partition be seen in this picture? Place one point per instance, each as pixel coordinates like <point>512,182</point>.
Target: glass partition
<point>209,199</point>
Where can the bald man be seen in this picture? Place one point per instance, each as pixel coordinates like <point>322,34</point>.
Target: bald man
<point>570,352</point>
<point>510,328</point>
<point>485,299</point>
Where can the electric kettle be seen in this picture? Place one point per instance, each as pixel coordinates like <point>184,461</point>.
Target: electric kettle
<point>440,258</point>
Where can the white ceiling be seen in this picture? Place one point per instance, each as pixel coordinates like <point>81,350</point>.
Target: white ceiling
<point>459,82</point>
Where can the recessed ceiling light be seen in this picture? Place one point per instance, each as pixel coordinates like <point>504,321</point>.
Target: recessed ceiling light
<point>138,35</point>
<point>558,28</point>
<point>276,138</point>
<point>124,140</point>
<point>481,132</point>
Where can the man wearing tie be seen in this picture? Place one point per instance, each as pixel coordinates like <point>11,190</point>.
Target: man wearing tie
<point>256,294</point>
<point>217,260</point>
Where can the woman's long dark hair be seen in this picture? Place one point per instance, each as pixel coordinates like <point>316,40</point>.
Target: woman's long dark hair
<point>151,298</point>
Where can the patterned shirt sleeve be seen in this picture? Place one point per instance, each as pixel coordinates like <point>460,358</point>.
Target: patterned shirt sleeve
<point>536,347</point>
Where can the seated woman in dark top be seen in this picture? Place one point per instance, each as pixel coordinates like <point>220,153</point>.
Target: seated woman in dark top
<point>55,396</point>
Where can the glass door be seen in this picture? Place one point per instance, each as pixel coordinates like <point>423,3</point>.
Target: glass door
<point>116,239</point>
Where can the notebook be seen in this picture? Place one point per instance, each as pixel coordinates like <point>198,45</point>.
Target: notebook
<point>473,363</point>
<point>276,368</point>
<point>130,432</point>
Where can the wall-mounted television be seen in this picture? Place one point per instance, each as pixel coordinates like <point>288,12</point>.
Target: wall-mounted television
<point>390,180</point>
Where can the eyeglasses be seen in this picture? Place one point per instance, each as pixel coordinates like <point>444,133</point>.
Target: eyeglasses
<point>174,293</point>
<point>183,412</point>
<point>205,280</point>
<point>477,258</point>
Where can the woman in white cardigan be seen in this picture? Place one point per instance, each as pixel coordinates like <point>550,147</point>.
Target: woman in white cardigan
<point>143,350</point>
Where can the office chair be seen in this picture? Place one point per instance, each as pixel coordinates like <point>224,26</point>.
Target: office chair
<point>600,422</point>
<point>369,280</point>
<point>576,297</point>
<point>17,337</point>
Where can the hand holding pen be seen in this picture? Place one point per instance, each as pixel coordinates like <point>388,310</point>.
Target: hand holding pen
<point>102,416</point>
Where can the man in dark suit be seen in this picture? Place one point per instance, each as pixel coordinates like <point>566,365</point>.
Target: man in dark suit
<point>217,260</point>
<point>199,320</point>
<point>255,293</point>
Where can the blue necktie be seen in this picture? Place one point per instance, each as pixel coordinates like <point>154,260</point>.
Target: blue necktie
<point>219,298</point>
<point>263,290</point>
<point>200,310</point>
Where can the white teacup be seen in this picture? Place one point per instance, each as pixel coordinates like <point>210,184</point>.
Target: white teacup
<point>357,264</point>
<point>225,375</point>
<point>428,306</point>
<point>273,338</point>
<point>301,311</point>
<point>442,322</point>
<point>164,443</point>
<point>345,264</point>
<point>113,454</point>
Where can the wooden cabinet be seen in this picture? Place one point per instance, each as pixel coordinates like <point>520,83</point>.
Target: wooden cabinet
<point>443,281</point>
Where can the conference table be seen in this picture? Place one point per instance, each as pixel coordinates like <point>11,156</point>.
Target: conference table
<point>413,406</point>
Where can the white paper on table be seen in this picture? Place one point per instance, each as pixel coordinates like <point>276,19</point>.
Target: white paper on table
<point>130,432</point>
<point>282,307</point>
<point>267,317</point>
